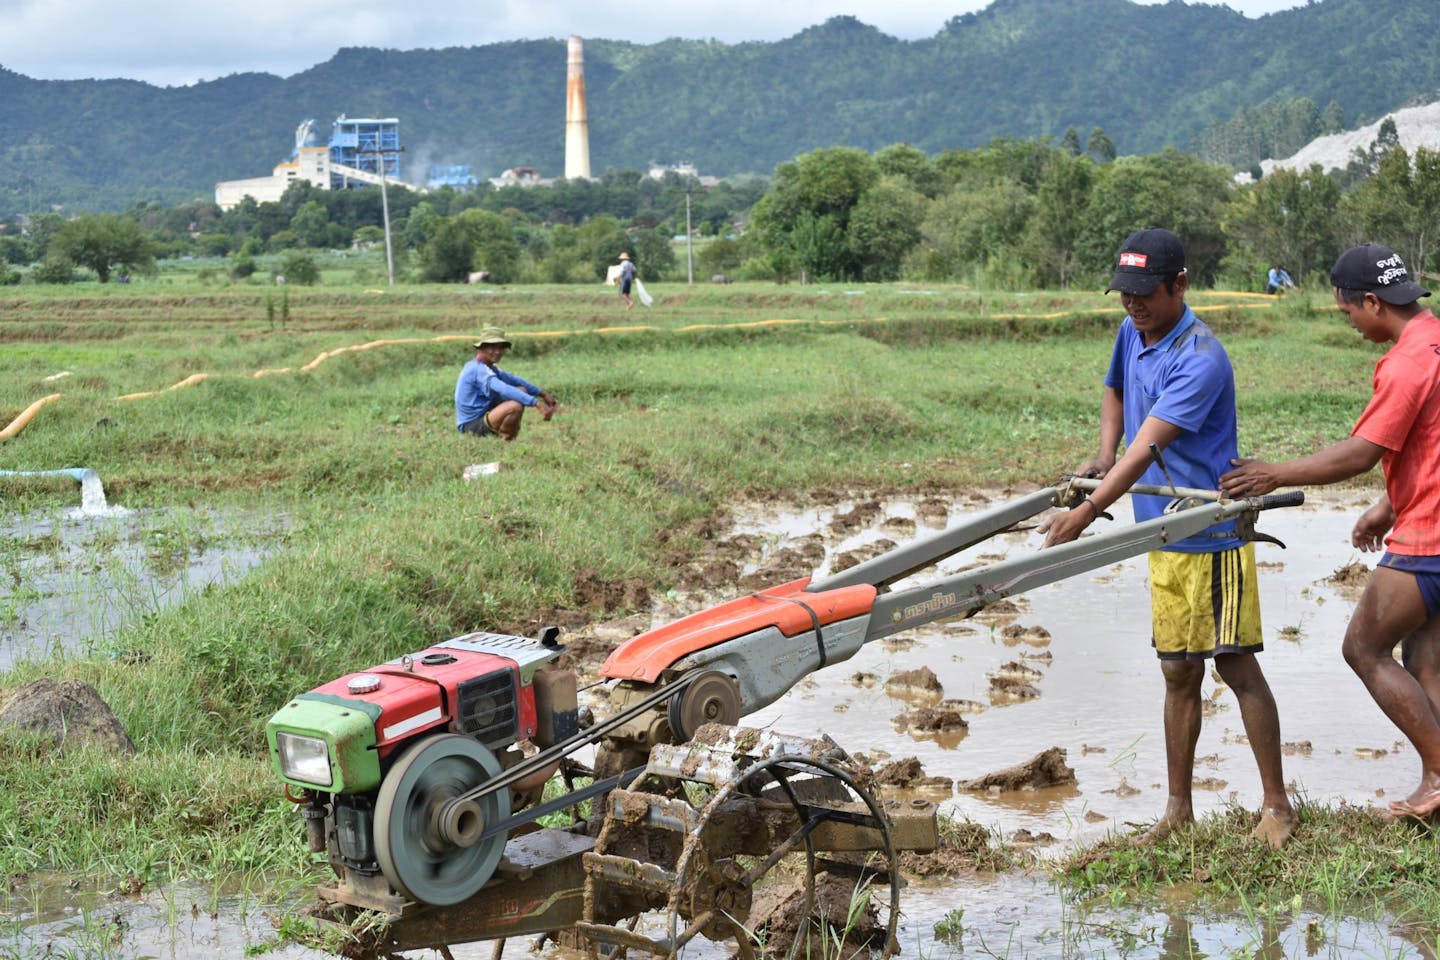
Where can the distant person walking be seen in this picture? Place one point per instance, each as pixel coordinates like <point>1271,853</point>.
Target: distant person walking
<point>1400,429</point>
<point>490,401</point>
<point>1277,280</point>
<point>626,279</point>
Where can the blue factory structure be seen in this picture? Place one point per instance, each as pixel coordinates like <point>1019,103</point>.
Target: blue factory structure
<point>361,152</point>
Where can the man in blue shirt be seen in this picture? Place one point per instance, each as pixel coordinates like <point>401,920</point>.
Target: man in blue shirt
<point>491,401</point>
<point>1170,386</point>
<point>1277,280</point>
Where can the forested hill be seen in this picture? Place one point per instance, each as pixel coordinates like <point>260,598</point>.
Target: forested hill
<point>1149,75</point>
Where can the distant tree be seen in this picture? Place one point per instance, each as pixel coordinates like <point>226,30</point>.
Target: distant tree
<point>496,250</point>
<point>103,242</point>
<point>807,210</point>
<point>911,165</point>
<point>976,229</point>
<point>884,227</point>
<point>1400,205</point>
<point>653,253</point>
<point>1287,218</point>
<point>311,223</point>
<point>1070,142</point>
<point>1332,119</point>
<point>16,250</point>
<point>55,268</point>
<point>300,268</point>
<point>449,254</point>
<point>1168,189</point>
<point>1099,147</point>
<point>1057,228</point>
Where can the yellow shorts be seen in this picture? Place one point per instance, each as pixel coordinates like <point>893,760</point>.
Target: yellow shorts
<point>1204,604</point>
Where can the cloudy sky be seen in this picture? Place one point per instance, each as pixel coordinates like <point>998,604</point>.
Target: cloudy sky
<point>172,42</point>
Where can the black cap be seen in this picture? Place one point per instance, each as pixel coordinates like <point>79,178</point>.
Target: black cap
<point>1144,259</point>
<point>1375,268</point>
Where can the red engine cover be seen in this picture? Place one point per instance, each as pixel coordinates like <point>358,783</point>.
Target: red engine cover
<point>425,692</point>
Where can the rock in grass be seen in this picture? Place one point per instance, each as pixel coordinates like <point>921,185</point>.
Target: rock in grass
<point>69,713</point>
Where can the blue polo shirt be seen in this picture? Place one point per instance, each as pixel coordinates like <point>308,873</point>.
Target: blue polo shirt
<point>1185,380</point>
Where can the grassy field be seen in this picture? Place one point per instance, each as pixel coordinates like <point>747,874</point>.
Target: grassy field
<point>714,396</point>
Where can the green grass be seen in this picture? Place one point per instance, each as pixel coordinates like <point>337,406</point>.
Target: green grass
<point>726,394</point>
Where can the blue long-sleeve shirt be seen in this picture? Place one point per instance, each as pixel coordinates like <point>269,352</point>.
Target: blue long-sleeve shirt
<point>482,386</point>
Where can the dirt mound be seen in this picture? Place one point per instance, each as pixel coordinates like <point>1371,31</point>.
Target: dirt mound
<point>1350,579</point>
<point>69,713</point>
<point>784,565</point>
<point>1046,769</point>
<point>848,559</point>
<point>857,518</point>
<point>919,684</point>
<point>947,716</point>
<point>1016,634</point>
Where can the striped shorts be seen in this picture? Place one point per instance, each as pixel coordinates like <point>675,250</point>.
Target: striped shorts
<point>1203,604</point>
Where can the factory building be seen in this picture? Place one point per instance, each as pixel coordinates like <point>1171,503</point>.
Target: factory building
<point>360,151</point>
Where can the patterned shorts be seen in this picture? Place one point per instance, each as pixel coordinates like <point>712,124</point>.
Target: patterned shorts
<point>1203,604</point>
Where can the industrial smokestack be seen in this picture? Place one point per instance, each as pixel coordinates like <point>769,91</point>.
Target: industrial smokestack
<point>577,129</point>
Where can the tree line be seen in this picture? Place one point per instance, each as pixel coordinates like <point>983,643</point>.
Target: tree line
<point>1013,214</point>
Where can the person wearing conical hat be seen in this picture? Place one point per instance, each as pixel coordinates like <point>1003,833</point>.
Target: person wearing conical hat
<point>627,279</point>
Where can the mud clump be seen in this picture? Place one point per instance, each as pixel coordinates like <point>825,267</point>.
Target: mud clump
<point>964,846</point>
<point>857,518</point>
<point>1007,690</point>
<point>1350,580</point>
<point>932,512</point>
<point>69,714</point>
<point>908,774</point>
<point>778,915</point>
<point>783,566</point>
<point>900,773</point>
<point>1032,636</point>
<point>919,684</point>
<point>1046,769</point>
<point>947,716</point>
<point>851,558</point>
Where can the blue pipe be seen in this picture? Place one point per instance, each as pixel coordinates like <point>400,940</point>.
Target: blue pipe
<point>75,473</point>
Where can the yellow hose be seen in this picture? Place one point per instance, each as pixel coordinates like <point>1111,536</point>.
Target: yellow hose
<point>26,415</point>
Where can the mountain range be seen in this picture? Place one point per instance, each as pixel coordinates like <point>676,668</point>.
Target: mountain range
<point>1149,75</point>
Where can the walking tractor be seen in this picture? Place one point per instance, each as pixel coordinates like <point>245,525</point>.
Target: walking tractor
<point>460,794</point>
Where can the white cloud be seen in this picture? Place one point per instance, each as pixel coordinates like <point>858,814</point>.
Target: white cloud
<point>181,41</point>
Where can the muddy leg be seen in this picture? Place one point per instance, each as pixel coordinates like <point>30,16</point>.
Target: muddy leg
<point>1390,609</point>
<point>1242,673</point>
<point>1420,655</point>
<point>1182,732</point>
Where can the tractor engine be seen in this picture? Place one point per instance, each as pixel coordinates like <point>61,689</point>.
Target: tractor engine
<point>380,760</point>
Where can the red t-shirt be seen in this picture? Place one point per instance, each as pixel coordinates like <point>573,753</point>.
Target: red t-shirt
<point>1404,417</point>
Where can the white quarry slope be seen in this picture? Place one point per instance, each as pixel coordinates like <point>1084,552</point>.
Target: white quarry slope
<point>1417,127</point>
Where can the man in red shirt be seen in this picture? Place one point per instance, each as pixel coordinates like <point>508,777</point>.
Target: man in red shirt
<point>1400,429</point>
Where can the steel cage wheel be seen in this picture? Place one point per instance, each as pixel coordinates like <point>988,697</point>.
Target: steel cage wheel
<point>411,823</point>
<point>693,860</point>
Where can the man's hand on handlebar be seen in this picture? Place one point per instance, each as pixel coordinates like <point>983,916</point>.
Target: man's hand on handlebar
<point>1250,478</point>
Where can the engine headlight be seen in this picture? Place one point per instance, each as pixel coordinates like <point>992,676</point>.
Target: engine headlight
<point>304,758</point>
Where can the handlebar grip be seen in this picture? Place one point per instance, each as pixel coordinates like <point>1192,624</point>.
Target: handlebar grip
<point>1270,501</point>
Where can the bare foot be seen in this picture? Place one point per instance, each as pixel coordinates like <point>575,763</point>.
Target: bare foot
<point>1162,829</point>
<point>1420,804</point>
<point>1275,828</point>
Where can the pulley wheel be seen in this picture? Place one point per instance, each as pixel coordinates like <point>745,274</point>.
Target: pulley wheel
<point>428,848</point>
<point>712,697</point>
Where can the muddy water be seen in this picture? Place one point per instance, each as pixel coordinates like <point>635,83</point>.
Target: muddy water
<point>69,581</point>
<point>1101,692</point>
<point>1100,701</point>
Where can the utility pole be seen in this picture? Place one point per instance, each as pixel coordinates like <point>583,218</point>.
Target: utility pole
<point>384,155</point>
<point>689,243</point>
